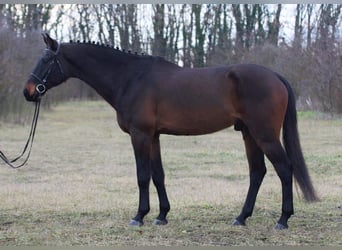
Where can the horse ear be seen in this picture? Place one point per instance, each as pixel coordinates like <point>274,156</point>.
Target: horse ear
<point>50,43</point>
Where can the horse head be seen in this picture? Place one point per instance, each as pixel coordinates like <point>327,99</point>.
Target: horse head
<point>47,73</point>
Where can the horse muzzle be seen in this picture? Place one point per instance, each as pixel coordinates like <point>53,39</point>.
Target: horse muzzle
<point>33,92</point>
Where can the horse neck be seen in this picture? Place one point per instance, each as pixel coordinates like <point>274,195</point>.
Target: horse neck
<point>105,70</point>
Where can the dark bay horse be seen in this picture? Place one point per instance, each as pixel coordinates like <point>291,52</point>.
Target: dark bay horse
<point>153,96</point>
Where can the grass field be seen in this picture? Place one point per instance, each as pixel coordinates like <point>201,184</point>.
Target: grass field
<point>79,187</point>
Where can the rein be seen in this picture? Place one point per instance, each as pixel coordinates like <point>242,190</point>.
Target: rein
<point>29,142</point>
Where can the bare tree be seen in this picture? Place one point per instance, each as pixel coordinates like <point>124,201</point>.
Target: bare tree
<point>260,35</point>
<point>24,18</point>
<point>85,26</point>
<point>99,10</point>
<point>173,32</point>
<point>327,26</point>
<point>299,27</point>
<point>310,25</point>
<point>220,38</point>
<point>198,48</point>
<point>125,20</point>
<point>239,25</point>
<point>274,26</point>
<point>159,40</point>
<point>187,30</point>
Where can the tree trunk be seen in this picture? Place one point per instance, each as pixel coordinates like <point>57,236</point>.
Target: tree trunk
<point>198,49</point>
<point>159,40</point>
<point>298,30</point>
<point>274,27</point>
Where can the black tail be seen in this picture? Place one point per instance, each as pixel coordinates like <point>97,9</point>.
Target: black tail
<point>293,147</point>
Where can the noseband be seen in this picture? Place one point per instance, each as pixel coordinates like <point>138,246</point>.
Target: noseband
<point>41,87</point>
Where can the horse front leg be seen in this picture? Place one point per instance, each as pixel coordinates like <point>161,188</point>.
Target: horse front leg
<point>142,144</point>
<point>158,178</point>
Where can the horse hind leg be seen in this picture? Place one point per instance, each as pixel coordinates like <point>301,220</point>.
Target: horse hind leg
<point>277,155</point>
<point>268,140</point>
<point>257,171</point>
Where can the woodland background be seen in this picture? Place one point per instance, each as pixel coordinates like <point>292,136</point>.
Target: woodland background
<point>309,55</point>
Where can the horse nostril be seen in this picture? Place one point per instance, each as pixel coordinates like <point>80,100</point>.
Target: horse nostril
<point>27,96</point>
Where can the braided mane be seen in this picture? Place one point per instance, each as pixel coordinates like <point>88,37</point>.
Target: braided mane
<point>102,45</point>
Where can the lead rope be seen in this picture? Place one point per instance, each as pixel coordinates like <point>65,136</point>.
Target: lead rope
<point>29,142</point>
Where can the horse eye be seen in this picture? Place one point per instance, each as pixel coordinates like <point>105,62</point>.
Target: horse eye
<point>46,58</point>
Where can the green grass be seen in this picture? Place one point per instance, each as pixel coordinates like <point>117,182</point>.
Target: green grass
<point>79,187</point>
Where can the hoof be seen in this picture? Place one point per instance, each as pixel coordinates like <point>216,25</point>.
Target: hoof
<point>279,226</point>
<point>136,223</point>
<point>160,222</point>
<point>238,223</point>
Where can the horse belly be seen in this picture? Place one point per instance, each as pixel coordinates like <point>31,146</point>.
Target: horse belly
<point>193,121</point>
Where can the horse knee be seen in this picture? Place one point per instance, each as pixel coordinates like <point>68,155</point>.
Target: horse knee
<point>158,183</point>
<point>144,183</point>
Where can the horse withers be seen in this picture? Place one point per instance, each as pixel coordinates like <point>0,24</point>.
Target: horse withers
<point>153,96</point>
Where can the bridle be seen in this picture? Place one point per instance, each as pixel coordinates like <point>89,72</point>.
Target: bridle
<point>41,87</point>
